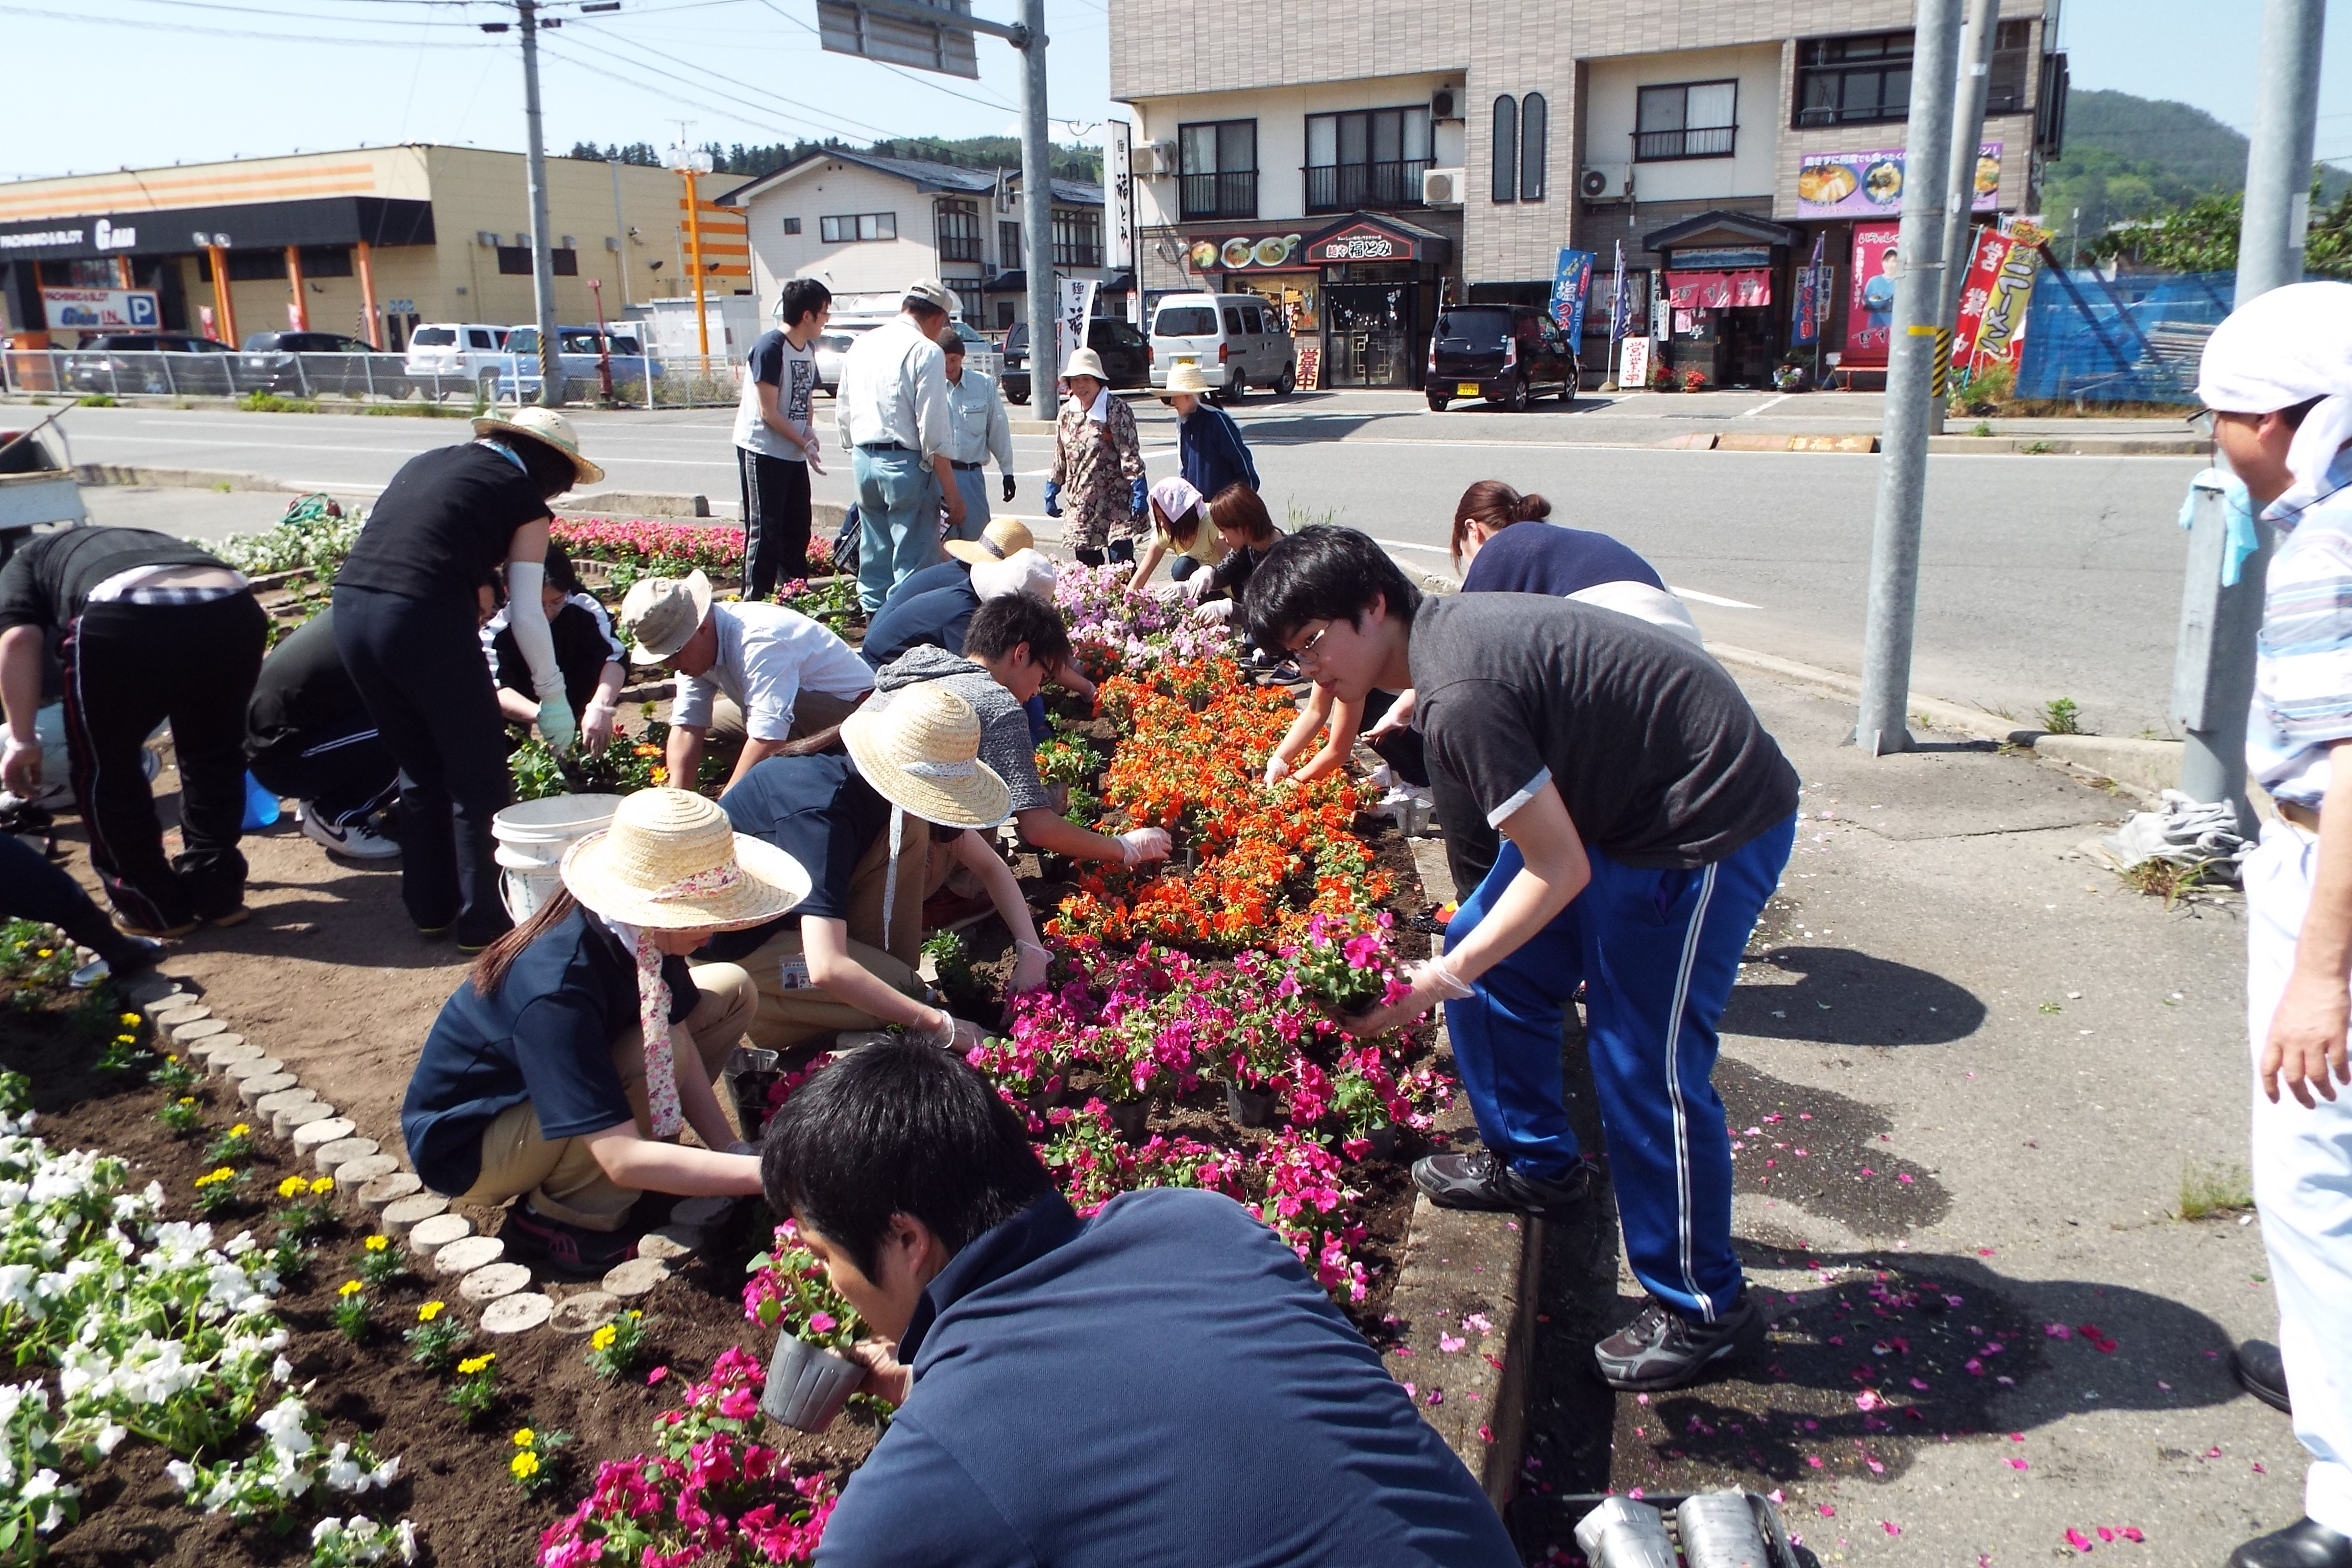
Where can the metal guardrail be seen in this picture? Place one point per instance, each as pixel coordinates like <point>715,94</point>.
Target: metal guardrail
<point>675,381</point>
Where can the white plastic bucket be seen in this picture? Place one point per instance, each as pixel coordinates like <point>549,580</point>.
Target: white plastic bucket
<point>532,837</point>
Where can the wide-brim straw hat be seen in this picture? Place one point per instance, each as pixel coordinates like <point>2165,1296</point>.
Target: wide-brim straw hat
<point>1186,378</point>
<point>920,751</point>
<point>549,428</point>
<point>1001,538</point>
<point>661,615</point>
<point>1086,361</point>
<point>671,860</point>
<point>1023,571</point>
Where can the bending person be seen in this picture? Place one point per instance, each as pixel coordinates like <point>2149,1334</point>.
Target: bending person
<point>1180,525</point>
<point>587,654</point>
<point>563,1069</point>
<point>308,734</point>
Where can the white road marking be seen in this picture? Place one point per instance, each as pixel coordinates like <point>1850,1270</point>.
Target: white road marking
<point>1407,544</point>
<point>1711,598</point>
<point>1752,413</point>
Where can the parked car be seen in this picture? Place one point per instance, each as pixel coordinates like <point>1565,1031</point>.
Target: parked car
<point>831,344</point>
<point>577,349</point>
<point>1499,353</point>
<point>271,366</point>
<point>1127,358</point>
<point>455,351</point>
<point>135,362</point>
<point>1237,339</point>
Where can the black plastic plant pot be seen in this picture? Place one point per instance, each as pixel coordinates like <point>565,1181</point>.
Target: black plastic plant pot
<point>1383,1140</point>
<point>1129,1117</point>
<point>1248,1107</point>
<point>808,1384</point>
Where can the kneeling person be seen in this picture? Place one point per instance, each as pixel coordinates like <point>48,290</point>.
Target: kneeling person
<point>308,734</point>
<point>580,1043</point>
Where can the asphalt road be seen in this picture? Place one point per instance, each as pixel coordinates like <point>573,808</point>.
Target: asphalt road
<point>2041,576</point>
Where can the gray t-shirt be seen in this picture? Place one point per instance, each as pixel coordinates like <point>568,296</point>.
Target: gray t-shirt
<point>773,362</point>
<point>1004,743</point>
<point>1661,762</point>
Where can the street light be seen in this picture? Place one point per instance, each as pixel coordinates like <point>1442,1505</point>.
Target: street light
<point>689,164</point>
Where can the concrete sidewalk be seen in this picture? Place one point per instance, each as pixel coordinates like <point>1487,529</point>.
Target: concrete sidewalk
<point>1968,1072</point>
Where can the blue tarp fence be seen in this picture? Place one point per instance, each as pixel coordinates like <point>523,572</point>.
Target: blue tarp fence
<point>2135,338</point>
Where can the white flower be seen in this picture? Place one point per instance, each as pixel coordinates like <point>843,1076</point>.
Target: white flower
<point>282,1370</point>
<point>343,1474</point>
<point>110,1435</point>
<point>407,1533</point>
<point>286,1424</point>
<point>384,1474</point>
<point>326,1529</point>
<point>182,1474</point>
<point>243,1243</point>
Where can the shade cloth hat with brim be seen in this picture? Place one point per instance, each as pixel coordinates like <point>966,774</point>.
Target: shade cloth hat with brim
<point>920,751</point>
<point>1186,378</point>
<point>550,428</point>
<point>1023,571</point>
<point>660,614</point>
<point>931,292</point>
<point>1085,361</point>
<point>1001,538</point>
<point>671,860</point>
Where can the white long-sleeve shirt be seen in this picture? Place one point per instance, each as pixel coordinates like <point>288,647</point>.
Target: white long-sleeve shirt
<point>894,388</point>
<point>982,429</point>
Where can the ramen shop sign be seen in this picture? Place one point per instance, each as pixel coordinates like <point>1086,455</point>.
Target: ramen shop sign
<point>1360,242</point>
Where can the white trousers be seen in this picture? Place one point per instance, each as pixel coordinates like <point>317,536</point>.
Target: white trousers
<point>2303,1187</point>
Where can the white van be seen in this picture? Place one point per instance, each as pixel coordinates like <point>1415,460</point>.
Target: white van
<point>456,349</point>
<point>1239,341</point>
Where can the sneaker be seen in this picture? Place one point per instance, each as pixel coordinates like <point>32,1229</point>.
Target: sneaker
<point>137,954</point>
<point>234,915</point>
<point>131,928</point>
<point>356,841</point>
<point>566,1250</point>
<point>1479,1181</point>
<point>2262,1371</point>
<point>2306,1543</point>
<point>1663,1349</point>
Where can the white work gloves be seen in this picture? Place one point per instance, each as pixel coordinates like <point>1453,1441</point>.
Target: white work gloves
<point>1277,770</point>
<point>1216,610</point>
<point>598,725</point>
<point>1429,981</point>
<point>1029,969</point>
<point>949,1033</point>
<point>557,727</point>
<point>1140,844</point>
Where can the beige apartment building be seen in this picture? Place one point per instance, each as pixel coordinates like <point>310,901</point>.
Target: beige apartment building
<point>1366,162</point>
<point>365,242</point>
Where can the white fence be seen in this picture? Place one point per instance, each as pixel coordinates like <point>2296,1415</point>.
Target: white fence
<point>672,381</point>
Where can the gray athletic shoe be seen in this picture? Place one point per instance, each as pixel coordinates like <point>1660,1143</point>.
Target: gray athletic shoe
<point>1663,1349</point>
<point>356,841</point>
<point>1479,1181</point>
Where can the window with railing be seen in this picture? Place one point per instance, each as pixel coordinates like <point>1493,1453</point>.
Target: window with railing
<point>2012,43</point>
<point>1217,161</point>
<point>958,230</point>
<point>1372,158</point>
<point>1853,81</point>
<point>1686,120</point>
<point>1077,236</point>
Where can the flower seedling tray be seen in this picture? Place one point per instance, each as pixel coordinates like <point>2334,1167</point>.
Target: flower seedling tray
<point>1539,1523</point>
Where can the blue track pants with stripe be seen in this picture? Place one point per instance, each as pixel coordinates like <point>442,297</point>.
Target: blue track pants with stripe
<point>1658,952</point>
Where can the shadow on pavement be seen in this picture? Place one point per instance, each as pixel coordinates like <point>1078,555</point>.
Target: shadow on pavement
<point>1841,997</point>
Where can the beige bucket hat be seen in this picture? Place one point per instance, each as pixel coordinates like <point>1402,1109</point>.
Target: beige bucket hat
<point>1001,538</point>
<point>660,614</point>
<point>920,751</point>
<point>670,859</point>
<point>1186,378</point>
<point>543,424</point>
<point>1086,361</point>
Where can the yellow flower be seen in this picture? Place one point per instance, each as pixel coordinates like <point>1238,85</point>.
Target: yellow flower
<point>377,1243</point>
<point>210,1178</point>
<point>187,1100</point>
<point>635,1313</point>
<point>132,1019</point>
<point>525,1438</point>
<point>351,1288</point>
<point>602,1338</point>
<point>430,1310</point>
<point>291,1187</point>
<point>127,1039</point>
<point>239,1130</point>
<point>322,1187</point>
<point>524,1466</point>
<point>43,954</point>
<point>473,1364</point>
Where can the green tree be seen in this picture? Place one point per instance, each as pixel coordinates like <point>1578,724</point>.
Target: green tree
<point>2201,236</point>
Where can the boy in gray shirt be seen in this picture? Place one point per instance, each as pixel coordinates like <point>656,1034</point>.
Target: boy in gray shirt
<point>775,444</point>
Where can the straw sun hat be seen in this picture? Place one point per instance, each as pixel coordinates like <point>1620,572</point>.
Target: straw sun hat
<point>1001,538</point>
<point>1085,361</point>
<point>920,751</point>
<point>547,427</point>
<point>671,860</point>
<point>1186,378</point>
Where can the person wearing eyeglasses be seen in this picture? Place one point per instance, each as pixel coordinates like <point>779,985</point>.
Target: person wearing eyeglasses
<point>1646,814</point>
<point>2276,384</point>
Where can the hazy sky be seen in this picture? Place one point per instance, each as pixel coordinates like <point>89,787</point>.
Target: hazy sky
<point>139,83</point>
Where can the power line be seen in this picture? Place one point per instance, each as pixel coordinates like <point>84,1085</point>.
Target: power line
<point>155,27</point>
<point>297,15</point>
<point>894,70</point>
<point>562,47</point>
<point>763,105</point>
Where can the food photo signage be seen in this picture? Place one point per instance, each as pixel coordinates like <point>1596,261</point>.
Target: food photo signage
<point>1870,184</point>
<point>1243,252</point>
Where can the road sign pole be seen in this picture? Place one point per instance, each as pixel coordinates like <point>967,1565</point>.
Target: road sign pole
<point>1910,374</point>
<point>543,262</point>
<point>1037,207</point>
<point>1967,136</point>
<point>2278,160</point>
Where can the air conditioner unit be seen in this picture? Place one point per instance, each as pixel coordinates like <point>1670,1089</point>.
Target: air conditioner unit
<point>1605,181</point>
<point>1443,104</point>
<point>487,239</point>
<point>1155,158</point>
<point>1441,187</point>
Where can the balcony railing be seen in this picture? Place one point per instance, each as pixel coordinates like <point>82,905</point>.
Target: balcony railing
<point>1709,142</point>
<point>1344,188</point>
<point>1232,192</point>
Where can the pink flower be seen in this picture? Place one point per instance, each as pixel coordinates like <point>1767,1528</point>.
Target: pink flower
<point>823,1323</point>
<point>655,1375</point>
<point>1889,1526</point>
<point>1449,1343</point>
<point>2078,1540</point>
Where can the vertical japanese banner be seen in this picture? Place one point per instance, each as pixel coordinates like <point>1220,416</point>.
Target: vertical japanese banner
<point>1118,209</point>
<point>1986,255</point>
<point>1572,286</point>
<point>1806,327</point>
<point>1870,317</point>
<point>2001,334</point>
<point>1070,323</point>
<point>1617,299</point>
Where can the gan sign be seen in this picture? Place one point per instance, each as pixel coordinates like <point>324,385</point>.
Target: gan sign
<point>896,33</point>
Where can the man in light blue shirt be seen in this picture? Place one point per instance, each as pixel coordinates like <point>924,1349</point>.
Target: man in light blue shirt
<point>979,431</point>
<point>892,412</point>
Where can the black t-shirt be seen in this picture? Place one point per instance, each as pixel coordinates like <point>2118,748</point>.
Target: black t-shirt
<point>583,646</point>
<point>46,582</point>
<point>1661,762</point>
<point>1545,558</point>
<point>545,1035</point>
<point>443,524</point>
<point>819,811</point>
<point>937,613</point>
<point>1232,575</point>
<point>303,694</point>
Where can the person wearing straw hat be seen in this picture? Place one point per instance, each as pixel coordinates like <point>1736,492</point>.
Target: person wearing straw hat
<point>407,623</point>
<point>863,824</point>
<point>1180,525</point>
<point>567,1063</point>
<point>980,430</point>
<point>1097,476</point>
<point>892,412</point>
<point>766,671</point>
<point>1210,451</point>
<point>916,611</point>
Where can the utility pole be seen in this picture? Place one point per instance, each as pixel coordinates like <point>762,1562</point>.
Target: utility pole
<point>543,262</point>
<point>1910,375</point>
<point>2213,666</point>
<point>1959,222</point>
<point>1037,205</point>
<point>620,233</point>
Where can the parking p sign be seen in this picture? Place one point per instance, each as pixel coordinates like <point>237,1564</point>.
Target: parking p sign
<point>102,309</point>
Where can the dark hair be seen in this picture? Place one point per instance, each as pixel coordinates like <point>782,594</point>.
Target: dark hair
<point>1004,622</point>
<point>923,309</point>
<point>2298,412</point>
<point>1493,506</point>
<point>1238,507</point>
<point>1185,529</point>
<point>560,573</point>
<point>549,467</point>
<point>898,1128</point>
<point>1322,573</point>
<point>951,342</point>
<point>489,971</point>
<point>803,297</point>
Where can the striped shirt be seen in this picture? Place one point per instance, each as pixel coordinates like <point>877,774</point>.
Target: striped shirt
<point>2303,677</point>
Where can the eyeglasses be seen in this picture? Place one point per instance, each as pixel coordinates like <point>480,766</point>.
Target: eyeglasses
<point>1304,652</point>
<point>2202,421</point>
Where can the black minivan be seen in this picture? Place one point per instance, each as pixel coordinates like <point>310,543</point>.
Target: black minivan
<point>1500,353</point>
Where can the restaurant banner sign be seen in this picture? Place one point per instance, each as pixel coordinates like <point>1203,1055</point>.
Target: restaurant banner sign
<point>1870,184</point>
<point>1718,291</point>
<point>1870,314</point>
<point>1999,286</point>
<point>1572,286</point>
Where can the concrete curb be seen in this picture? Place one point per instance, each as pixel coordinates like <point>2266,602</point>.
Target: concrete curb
<point>175,479</point>
<point>1977,446</point>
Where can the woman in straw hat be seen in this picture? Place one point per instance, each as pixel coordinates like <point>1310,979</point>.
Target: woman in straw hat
<point>1210,451</point>
<point>863,824</point>
<point>563,1068</point>
<point>1098,476</point>
<point>408,624</point>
